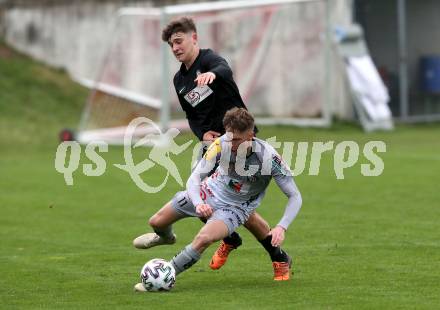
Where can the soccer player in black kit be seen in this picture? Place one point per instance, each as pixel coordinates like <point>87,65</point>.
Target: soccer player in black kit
<point>206,90</point>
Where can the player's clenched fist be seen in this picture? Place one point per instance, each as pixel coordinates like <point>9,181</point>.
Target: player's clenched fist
<point>204,210</point>
<point>205,78</point>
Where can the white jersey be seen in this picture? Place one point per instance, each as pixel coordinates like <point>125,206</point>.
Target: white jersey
<point>242,181</point>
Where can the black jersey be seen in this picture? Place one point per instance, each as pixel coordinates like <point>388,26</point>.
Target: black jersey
<point>206,106</point>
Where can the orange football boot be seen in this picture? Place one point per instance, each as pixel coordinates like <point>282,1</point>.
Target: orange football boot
<point>221,255</point>
<point>281,270</point>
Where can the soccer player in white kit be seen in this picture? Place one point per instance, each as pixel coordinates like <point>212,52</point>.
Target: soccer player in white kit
<point>245,166</point>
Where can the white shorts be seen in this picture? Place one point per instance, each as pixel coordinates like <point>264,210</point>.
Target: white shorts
<point>232,216</point>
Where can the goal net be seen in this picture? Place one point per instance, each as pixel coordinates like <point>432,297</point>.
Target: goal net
<point>278,51</point>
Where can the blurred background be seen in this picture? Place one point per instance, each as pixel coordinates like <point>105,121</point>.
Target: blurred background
<point>77,36</point>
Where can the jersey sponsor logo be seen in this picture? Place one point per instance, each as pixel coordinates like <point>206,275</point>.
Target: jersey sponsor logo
<point>235,185</point>
<point>197,95</point>
<point>205,191</point>
<point>278,165</point>
<point>204,187</point>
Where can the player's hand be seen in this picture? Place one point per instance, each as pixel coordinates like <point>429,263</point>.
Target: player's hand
<point>210,135</point>
<point>204,210</point>
<point>277,235</point>
<point>205,78</point>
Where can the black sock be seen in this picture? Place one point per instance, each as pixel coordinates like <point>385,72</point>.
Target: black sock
<point>276,253</point>
<point>166,233</point>
<point>234,239</point>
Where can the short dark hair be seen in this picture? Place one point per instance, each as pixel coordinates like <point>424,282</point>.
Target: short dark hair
<point>183,24</point>
<point>238,119</point>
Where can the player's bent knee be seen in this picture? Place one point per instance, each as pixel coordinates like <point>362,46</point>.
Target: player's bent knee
<point>203,240</point>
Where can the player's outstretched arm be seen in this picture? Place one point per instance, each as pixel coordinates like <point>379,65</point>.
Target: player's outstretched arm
<point>294,202</point>
<point>288,187</point>
<point>218,65</point>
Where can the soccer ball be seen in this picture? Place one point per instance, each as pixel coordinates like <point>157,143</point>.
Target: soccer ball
<point>158,275</point>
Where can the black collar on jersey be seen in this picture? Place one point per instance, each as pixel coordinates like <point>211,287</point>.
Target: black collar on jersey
<point>183,69</point>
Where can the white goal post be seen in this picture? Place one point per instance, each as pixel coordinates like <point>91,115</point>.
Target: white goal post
<point>279,52</point>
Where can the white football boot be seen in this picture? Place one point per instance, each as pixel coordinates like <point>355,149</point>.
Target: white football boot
<point>150,240</point>
<point>139,288</point>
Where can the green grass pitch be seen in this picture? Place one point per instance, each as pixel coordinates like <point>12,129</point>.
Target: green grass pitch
<point>361,242</point>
